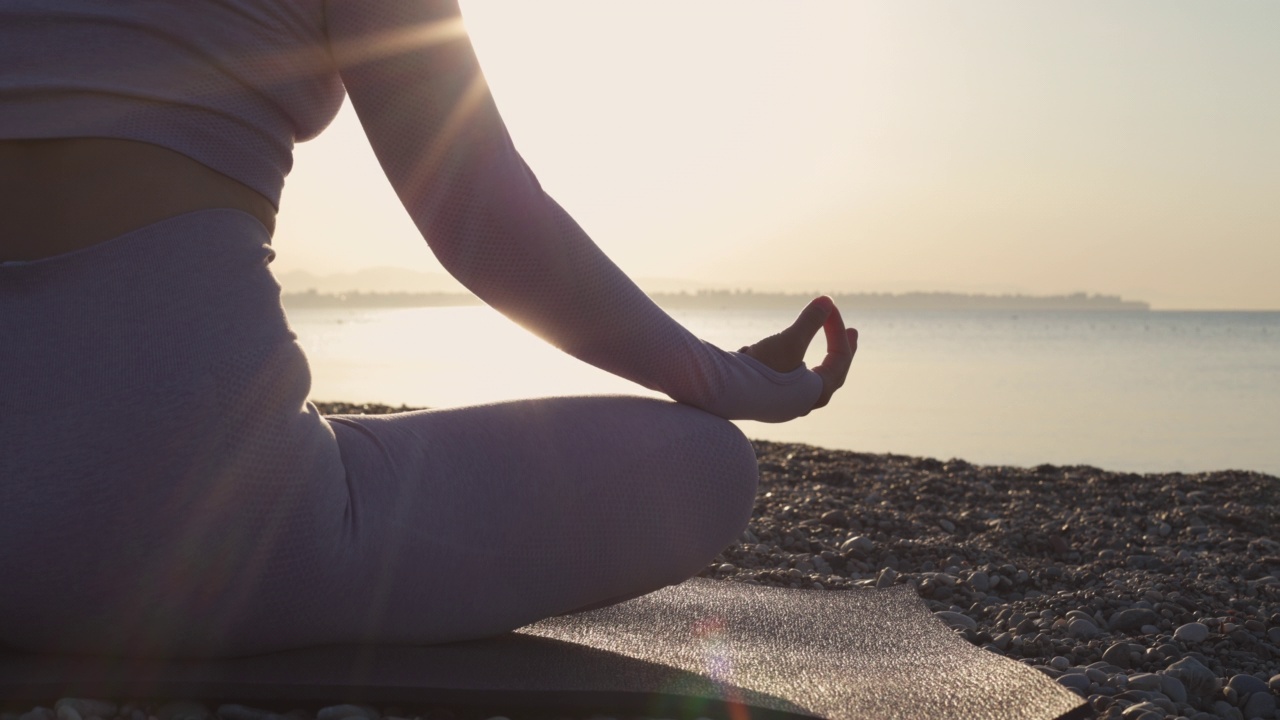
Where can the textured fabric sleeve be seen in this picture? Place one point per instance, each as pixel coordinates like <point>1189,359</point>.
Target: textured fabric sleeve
<point>417,88</point>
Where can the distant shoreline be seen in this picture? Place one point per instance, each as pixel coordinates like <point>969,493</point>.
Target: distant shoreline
<point>748,300</point>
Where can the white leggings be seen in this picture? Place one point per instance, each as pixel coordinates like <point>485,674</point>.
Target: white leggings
<point>166,488</point>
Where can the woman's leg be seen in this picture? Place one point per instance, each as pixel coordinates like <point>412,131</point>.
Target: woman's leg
<point>473,521</point>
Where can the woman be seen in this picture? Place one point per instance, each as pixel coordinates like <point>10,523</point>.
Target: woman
<point>166,488</point>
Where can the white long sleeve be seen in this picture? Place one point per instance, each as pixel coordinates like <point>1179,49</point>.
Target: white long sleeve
<point>415,83</point>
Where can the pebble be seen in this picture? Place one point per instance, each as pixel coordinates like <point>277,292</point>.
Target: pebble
<point>1192,632</point>
<point>1200,682</point>
<point>1144,681</point>
<point>886,577</point>
<point>1173,688</point>
<point>979,581</point>
<point>1081,628</point>
<point>1132,619</point>
<point>1260,705</point>
<point>342,712</point>
<point>1120,654</point>
<point>1225,711</point>
<point>241,712</point>
<point>956,620</point>
<point>87,708</point>
<point>1246,685</point>
<point>1074,681</point>
<point>859,544</point>
<point>1144,711</point>
<point>835,518</point>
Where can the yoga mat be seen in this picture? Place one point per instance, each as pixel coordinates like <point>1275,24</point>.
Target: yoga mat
<point>703,648</point>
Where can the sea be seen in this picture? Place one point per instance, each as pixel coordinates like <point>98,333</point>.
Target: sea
<point>1135,391</point>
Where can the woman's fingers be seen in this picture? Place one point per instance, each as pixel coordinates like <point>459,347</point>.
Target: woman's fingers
<point>842,344</point>
<point>810,320</point>
<point>785,351</point>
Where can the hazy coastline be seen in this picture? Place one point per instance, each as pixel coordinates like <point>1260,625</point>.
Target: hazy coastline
<point>747,299</point>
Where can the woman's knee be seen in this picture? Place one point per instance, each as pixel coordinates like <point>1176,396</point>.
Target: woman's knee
<point>723,470</point>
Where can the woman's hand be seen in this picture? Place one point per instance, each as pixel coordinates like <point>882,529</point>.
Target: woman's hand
<point>784,351</point>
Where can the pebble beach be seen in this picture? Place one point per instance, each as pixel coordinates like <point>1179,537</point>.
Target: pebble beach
<point>1151,596</point>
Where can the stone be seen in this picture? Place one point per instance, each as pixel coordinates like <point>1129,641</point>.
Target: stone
<point>86,707</point>
<point>1246,685</point>
<point>240,712</point>
<point>1260,705</point>
<point>1274,683</point>
<point>1081,628</point>
<point>1144,562</point>
<point>886,577</point>
<point>980,581</point>
<point>1075,681</point>
<point>834,518</point>
<point>1200,682</point>
<point>1132,619</point>
<point>1059,663</point>
<point>1144,711</point>
<point>1273,634</point>
<point>341,712</point>
<point>66,712</point>
<point>1192,632</point>
<point>956,620</point>
<point>1223,710</point>
<point>860,544</point>
<point>1173,688</point>
<point>37,713</point>
<point>1073,614</point>
<point>1119,655</point>
<point>1144,681</point>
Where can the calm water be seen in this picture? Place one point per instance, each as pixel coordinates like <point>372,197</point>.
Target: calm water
<point>1150,391</point>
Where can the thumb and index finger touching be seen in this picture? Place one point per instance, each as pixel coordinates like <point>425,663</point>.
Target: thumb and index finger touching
<point>785,350</point>
<point>842,343</point>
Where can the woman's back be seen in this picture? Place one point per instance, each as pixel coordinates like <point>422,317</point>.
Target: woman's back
<point>232,84</point>
<point>117,115</point>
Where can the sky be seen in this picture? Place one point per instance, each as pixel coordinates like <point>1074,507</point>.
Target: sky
<point>1124,148</point>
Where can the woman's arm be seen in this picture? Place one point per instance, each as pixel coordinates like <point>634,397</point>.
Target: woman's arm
<point>415,83</point>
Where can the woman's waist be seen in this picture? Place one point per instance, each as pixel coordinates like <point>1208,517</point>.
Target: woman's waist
<point>62,195</point>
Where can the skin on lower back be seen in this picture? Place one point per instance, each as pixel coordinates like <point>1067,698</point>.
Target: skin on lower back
<point>65,194</point>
